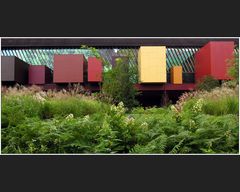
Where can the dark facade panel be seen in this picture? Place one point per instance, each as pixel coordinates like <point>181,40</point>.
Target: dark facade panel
<point>14,70</point>
<point>8,68</point>
<point>48,75</point>
<point>109,42</point>
<point>187,78</point>
<point>166,87</point>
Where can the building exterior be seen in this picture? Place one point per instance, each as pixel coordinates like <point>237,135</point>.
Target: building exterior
<point>163,64</point>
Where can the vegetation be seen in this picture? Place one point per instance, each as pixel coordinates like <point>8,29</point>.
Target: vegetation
<point>118,84</point>
<point>208,83</point>
<point>34,121</point>
<point>234,67</point>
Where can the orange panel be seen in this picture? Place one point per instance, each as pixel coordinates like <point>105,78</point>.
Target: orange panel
<point>176,75</point>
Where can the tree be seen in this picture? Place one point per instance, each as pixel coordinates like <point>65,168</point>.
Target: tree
<point>233,69</point>
<point>119,85</point>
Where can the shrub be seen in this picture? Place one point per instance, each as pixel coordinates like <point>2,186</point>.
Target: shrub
<point>16,108</point>
<point>79,107</point>
<point>215,134</point>
<point>208,83</point>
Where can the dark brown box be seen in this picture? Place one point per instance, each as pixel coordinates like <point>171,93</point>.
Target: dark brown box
<point>14,70</point>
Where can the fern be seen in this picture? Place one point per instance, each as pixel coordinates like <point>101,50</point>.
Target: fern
<point>177,147</point>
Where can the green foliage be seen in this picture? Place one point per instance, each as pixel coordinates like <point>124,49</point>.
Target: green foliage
<point>228,105</point>
<point>208,83</point>
<point>233,69</point>
<point>72,124</point>
<point>72,105</point>
<point>118,85</point>
<point>15,109</point>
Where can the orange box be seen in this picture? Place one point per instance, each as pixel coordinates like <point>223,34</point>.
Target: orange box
<point>176,75</point>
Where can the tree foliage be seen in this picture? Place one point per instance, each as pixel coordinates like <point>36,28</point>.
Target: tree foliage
<point>118,83</point>
<point>233,69</point>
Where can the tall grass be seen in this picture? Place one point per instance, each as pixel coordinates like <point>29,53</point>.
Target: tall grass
<point>72,105</point>
<point>223,106</point>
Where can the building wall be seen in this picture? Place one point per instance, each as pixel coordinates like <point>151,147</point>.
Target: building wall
<point>39,74</point>
<point>212,59</point>
<point>95,69</point>
<point>152,64</point>
<point>68,68</point>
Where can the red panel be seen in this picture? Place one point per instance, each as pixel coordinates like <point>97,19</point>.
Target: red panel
<point>39,74</point>
<point>220,53</point>
<point>202,62</point>
<point>212,60</point>
<point>36,74</point>
<point>94,69</point>
<point>68,68</point>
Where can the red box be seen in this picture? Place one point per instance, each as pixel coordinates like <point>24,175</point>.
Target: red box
<point>69,68</point>
<point>212,59</point>
<point>95,69</point>
<point>39,74</point>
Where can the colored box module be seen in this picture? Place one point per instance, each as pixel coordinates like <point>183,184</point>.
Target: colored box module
<point>212,59</point>
<point>69,68</point>
<point>39,74</point>
<point>152,64</point>
<point>95,69</point>
<point>14,70</point>
<point>176,75</point>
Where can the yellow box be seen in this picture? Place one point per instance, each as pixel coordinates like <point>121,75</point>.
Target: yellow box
<point>152,64</point>
<point>176,75</point>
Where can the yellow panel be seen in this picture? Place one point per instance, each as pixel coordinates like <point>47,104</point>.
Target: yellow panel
<point>152,64</point>
<point>176,75</point>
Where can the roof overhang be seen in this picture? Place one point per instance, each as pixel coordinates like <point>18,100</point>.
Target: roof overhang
<point>107,42</point>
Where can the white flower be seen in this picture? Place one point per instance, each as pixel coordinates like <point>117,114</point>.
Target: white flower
<point>129,120</point>
<point>198,106</point>
<point>86,118</point>
<point>113,108</point>
<point>70,116</point>
<point>144,125</point>
<point>119,109</point>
